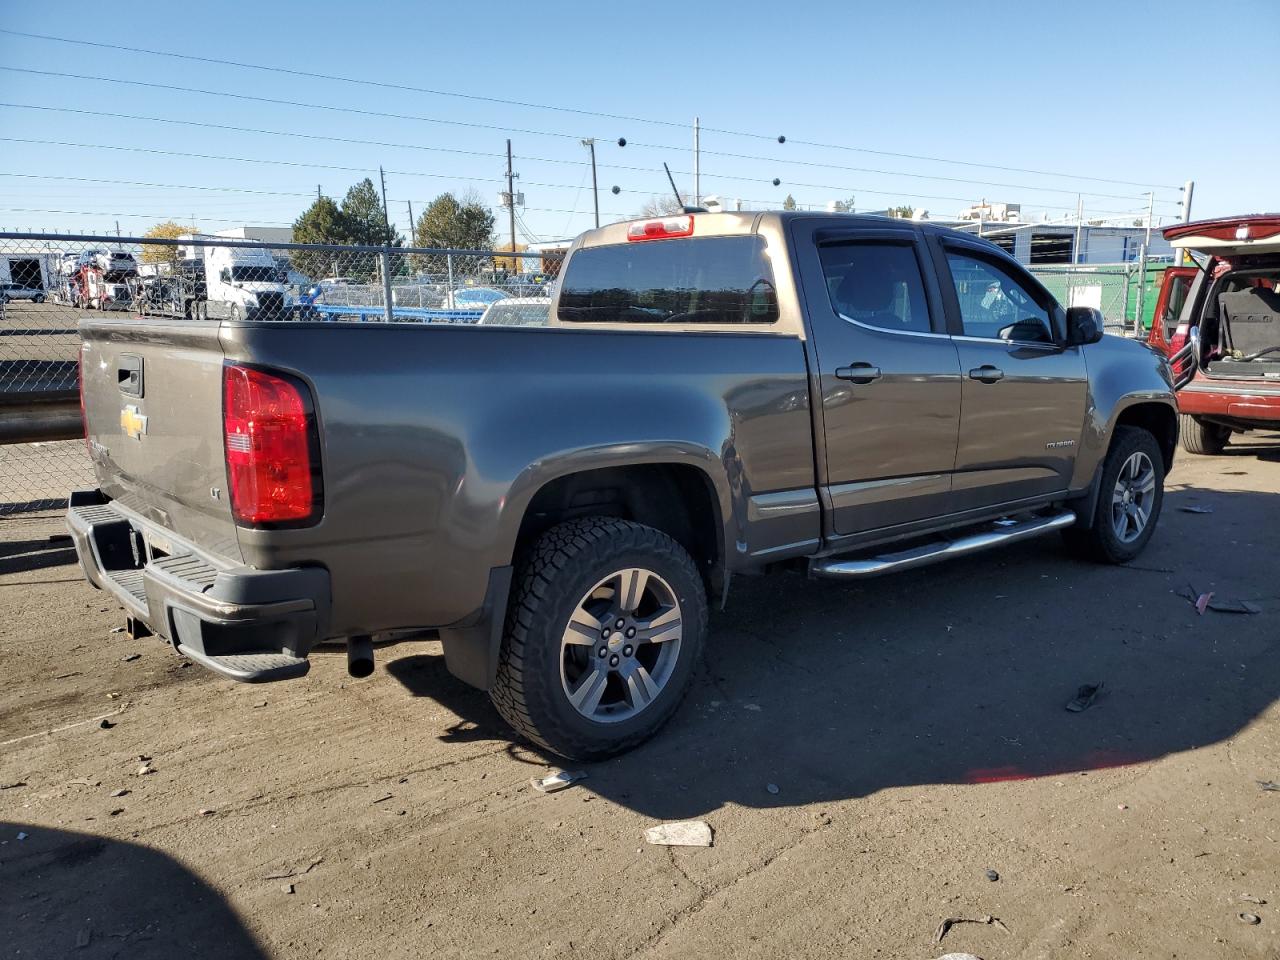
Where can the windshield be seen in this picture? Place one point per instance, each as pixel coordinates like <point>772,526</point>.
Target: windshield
<point>254,274</point>
<point>700,280</point>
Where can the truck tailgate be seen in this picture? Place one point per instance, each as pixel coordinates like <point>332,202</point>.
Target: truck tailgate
<point>153,410</point>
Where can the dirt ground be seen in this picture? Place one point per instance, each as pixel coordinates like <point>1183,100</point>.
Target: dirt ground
<point>913,727</point>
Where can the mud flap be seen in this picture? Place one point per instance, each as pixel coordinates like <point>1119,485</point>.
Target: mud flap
<point>471,651</point>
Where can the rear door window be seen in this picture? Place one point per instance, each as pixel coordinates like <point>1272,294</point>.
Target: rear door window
<point>876,283</point>
<point>713,280</point>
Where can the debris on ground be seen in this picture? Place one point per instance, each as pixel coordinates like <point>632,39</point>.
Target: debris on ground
<point>21,835</point>
<point>117,629</point>
<point>1246,898</point>
<point>130,657</point>
<point>296,872</point>
<point>384,797</point>
<point>119,793</point>
<point>1252,919</point>
<point>84,782</point>
<point>1211,601</point>
<point>684,833</point>
<point>771,787</point>
<point>14,785</point>
<point>959,956</point>
<point>993,876</point>
<point>1196,508</point>
<point>207,812</point>
<point>557,781</point>
<point>287,888</point>
<point>950,922</point>
<point>1085,695</point>
<point>1269,785</point>
<point>144,770</point>
<point>84,937</point>
<point>106,724</point>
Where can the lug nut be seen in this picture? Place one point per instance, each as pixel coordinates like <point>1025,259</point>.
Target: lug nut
<point>620,624</point>
<point>631,632</point>
<point>627,650</point>
<point>603,651</point>
<point>605,633</point>
<point>613,661</point>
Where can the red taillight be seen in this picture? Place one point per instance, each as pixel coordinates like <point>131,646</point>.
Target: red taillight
<point>1176,343</point>
<point>84,419</point>
<point>661,229</point>
<point>269,433</point>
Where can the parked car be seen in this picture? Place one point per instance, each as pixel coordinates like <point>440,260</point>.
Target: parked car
<point>714,395</point>
<point>17,291</point>
<point>517,312</point>
<point>472,298</point>
<point>1220,320</point>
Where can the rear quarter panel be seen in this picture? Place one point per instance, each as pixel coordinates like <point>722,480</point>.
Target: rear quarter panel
<point>435,438</point>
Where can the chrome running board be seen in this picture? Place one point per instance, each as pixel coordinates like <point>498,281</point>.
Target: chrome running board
<point>995,535</point>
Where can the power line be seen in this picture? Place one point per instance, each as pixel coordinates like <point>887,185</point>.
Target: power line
<point>569,110</point>
<point>121,213</point>
<point>145,183</point>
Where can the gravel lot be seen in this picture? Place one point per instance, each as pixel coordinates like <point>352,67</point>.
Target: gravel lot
<point>913,726</point>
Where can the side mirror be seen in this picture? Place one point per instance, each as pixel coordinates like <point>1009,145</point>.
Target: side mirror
<point>1084,326</point>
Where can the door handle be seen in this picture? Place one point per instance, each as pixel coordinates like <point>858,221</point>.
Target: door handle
<point>858,373</point>
<point>986,373</point>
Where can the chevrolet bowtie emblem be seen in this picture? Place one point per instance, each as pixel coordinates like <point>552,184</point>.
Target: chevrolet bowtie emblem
<point>132,422</point>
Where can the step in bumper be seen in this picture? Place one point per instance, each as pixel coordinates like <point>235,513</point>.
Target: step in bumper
<point>248,625</point>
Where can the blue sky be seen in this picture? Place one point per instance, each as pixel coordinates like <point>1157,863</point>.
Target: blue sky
<point>1098,90</point>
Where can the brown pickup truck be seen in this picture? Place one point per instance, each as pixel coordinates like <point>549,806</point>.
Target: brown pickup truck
<point>714,394</point>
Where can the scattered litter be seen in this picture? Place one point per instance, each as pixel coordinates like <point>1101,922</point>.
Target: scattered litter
<point>14,785</point>
<point>771,787</point>
<point>144,770</point>
<point>206,812</point>
<point>959,956</point>
<point>117,629</point>
<point>993,876</point>
<point>753,707</point>
<point>122,792</point>
<point>84,782</point>
<point>1122,806</point>
<point>287,888</point>
<point>950,922</point>
<point>295,873</point>
<point>685,833</point>
<point>1269,785</point>
<point>106,724</point>
<point>113,696</point>
<point>21,835</point>
<point>142,757</point>
<point>1211,601</point>
<point>1202,602</point>
<point>557,781</point>
<point>65,676</point>
<point>1252,919</point>
<point>117,811</point>
<point>260,704</point>
<point>1196,508</point>
<point>130,657</point>
<point>1246,898</point>
<point>84,937</point>
<point>1085,695</point>
<point>385,796</point>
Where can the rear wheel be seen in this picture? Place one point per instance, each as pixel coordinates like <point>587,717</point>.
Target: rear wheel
<point>601,638</point>
<point>1130,496</point>
<point>1201,437</point>
<point>38,299</point>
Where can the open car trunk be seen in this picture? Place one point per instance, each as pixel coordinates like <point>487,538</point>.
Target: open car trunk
<point>1241,326</point>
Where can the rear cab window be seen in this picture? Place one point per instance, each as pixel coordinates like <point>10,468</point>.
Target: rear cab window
<point>724,280</point>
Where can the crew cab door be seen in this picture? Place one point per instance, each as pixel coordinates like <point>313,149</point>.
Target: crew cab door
<point>888,374</point>
<point>1023,391</point>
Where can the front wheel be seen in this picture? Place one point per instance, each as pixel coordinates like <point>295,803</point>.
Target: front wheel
<point>1207,439</point>
<point>1130,495</point>
<point>602,634</point>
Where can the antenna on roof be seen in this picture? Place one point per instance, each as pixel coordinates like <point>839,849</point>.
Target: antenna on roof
<point>684,208</point>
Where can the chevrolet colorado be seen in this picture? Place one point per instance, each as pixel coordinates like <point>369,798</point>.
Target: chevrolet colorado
<point>715,394</point>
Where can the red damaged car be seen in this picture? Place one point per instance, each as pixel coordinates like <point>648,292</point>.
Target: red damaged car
<point>1219,321</point>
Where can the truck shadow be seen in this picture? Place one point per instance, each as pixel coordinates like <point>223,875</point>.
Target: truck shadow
<point>76,894</point>
<point>18,556</point>
<point>958,674</point>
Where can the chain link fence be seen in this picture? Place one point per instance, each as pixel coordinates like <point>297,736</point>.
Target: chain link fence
<point>50,283</point>
<point>1125,292</point>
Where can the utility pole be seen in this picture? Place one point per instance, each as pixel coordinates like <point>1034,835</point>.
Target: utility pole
<point>1151,203</point>
<point>117,229</point>
<point>413,227</point>
<point>386,218</point>
<point>697,156</point>
<point>595,190</point>
<point>319,196</point>
<point>511,202</point>
<point>1188,189</point>
<point>1075,253</point>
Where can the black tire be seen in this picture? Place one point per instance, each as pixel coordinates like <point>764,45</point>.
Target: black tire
<point>38,299</point>
<point>1206,439</point>
<point>1100,541</point>
<point>551,580</point>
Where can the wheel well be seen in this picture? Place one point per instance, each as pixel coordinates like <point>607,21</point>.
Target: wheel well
<point>679,500</point>
<point>1158,420</point>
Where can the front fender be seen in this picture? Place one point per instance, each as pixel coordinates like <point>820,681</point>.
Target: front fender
<point>1122,374</point>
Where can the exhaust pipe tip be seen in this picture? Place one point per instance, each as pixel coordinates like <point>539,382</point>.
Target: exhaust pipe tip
<point>360,657</point>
